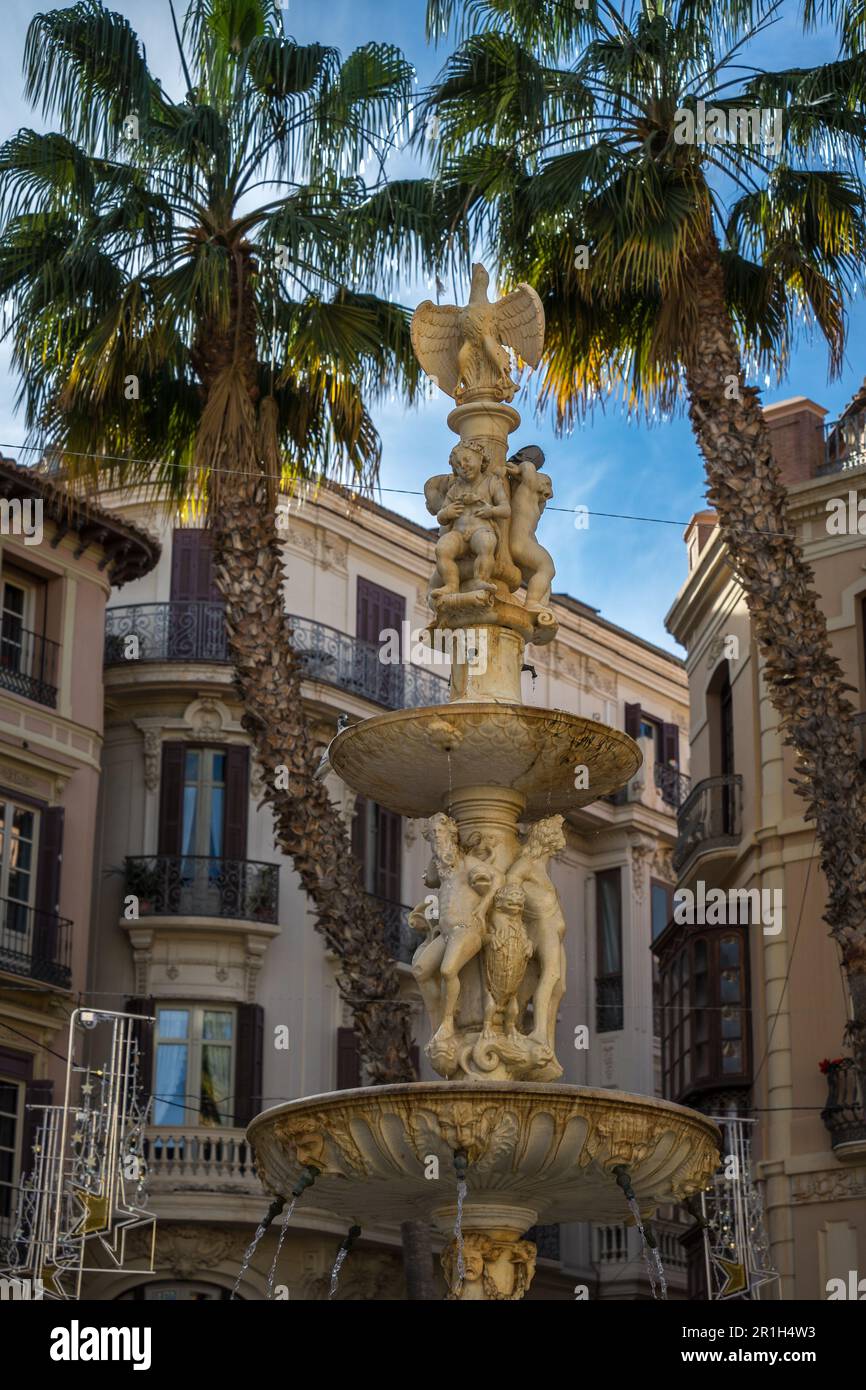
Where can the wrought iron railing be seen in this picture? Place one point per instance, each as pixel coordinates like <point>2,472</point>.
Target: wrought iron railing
<point>844,1115</point>
<point>845,443</point>
<point>28,663</point>
<point>175,885</point>
<point>176,631</point>
<point>196,632</point>
<point>709,818</point>
<point>673,784</point>
<point>337,659</point>
<point>401,939</point>
<point>35,943</point>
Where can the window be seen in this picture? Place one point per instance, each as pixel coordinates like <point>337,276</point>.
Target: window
<point>204,787</point>
<point>18,843</point>
<point>608,978</point>
<point>195,1047</point>
<point>661,912</point>
<point>28,661</point>
<point>11,1119</point>
<point>704,1002</point>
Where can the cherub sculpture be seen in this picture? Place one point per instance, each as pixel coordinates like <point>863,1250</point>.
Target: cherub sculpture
<point>531,490</point>
<point>545,923</point>
<point>468,512</point>
<point>467,882</point>
<point>462,348</point>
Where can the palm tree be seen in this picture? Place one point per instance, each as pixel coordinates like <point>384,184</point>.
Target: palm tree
<point>187,315</point>
<point>668,266</point>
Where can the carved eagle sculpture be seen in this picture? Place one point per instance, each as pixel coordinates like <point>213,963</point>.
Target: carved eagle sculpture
<point>462,349</point>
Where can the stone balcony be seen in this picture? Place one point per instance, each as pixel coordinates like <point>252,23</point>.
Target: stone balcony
<point>184,1161</point>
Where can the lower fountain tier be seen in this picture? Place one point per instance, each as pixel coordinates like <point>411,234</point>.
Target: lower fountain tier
<point>411,761</point>
<point>536,1153</point>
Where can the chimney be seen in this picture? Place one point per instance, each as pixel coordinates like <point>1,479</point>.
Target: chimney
<point>796,437</point>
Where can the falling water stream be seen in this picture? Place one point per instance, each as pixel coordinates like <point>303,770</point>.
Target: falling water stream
<point>283,1229</point>
<point>658,1283</point>
<point>458,1230</point>
<point>251,1250</point>
<point>335,1272</point>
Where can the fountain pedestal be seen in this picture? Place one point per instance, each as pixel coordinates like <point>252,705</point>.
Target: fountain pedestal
<point>495,778</point>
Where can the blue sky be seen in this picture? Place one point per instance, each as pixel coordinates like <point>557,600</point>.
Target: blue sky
<point>629,570</point>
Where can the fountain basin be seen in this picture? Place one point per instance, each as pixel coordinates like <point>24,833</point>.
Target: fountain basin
<point>411,761</point>
<point>536,1153</point>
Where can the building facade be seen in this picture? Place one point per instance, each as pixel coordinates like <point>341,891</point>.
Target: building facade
<point>754,1007</point>
<point>57,569</point>
<point>201,923</point>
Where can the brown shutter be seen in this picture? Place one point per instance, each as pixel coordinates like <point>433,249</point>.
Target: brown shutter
<point>249,1062</point>
<point>36,1094</point>
<point>48,886</point>
<point>670,744</point>
<point>348,1060</point>
<point>171,798</point>
<point>143,1032</point>
<point>388,854</point>
<point>237,802</point>
<point>192,568</point>
<point>632,720</point>
<point>377,609</point>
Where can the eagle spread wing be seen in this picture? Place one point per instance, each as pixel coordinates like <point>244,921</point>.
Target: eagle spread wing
<point>436,338</point>
<point>520,323</point>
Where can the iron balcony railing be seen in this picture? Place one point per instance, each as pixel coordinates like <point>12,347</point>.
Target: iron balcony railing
<point>844,1115</point>
<point>186,885</point>
<point>673,784</point>
<point>196,632</point>
<point>401,939</point>
<point>845,443</point>
<point>34,943</point>
<point>176,631</point>
<point>28,663</point>
<point>709,818</point>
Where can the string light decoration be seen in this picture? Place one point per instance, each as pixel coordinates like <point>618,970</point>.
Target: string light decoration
<point>87,1188</point>
<point>736,1246</point>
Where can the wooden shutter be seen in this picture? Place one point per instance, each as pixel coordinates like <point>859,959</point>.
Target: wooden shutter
<point>348,1060</point>
<point>192,568</point>
<point>143,1034</point>
<point>670,744</point>
<point>377,609</point>
<point>171,798</point>
<point>36,1093</point>
<point>632,721</point>
<point>249,1062</point>
<point>48,885</point>
<point>237,802</point>
<point>359,833</point>
<point>387,865</point>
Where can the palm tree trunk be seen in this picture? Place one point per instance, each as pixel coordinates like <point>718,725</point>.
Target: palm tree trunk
<point>804,679</point>
<point>308,826</point>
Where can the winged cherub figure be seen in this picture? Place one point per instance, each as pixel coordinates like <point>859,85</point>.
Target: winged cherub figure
<point>463,347</point>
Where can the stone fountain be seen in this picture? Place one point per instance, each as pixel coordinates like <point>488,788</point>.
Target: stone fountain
<point>493,779</point>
